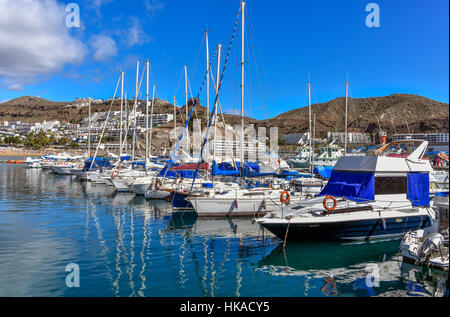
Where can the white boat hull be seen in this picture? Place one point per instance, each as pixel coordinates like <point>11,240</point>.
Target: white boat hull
<point>227,207</point>
<point>120,186</point>
<point>157,194</point>
<point>140,189</point>
<point>62,170</point>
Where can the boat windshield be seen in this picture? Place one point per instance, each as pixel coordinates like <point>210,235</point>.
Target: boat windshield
<point>403,149</point>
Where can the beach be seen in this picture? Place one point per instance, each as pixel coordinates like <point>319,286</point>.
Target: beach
<point>19,152</point>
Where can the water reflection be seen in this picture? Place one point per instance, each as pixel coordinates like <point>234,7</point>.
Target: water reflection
<point>353,269</point>
<point>128,246</point>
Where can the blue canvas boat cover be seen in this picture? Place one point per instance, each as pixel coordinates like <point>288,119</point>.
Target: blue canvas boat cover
<point>354,186</point>
<point>224,169</point>
<point>419,189</point>
<point>263,174</point>
<point>253,167</point>
<point>289,174</point>
<point>125,158</point>
<point>187,174</point>
<point>99,162</point>
<point>323,171</point>
<point>176,174</point>
<point>138,164</point>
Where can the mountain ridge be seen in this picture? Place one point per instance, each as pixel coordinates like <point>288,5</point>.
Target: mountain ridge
<point>398,113</point>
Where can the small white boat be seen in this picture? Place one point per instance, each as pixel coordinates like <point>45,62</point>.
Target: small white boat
<point>141,184</point>
<point>421,248</point>
<point>63,168</point>
<point>123,179</point>
<point>33,163</point>
<point>240,202</point>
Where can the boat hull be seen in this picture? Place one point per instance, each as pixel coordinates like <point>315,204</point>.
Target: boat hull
<point>157,194</point>
<point>180,202</point>
<point>366,229</point>
<point>120,186</point>
<point>140,189</point>
<point>214,207</point>
<point>62,170</point>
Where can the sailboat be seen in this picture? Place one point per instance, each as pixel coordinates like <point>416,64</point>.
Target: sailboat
<point>301,160</point>
<point>235,198</point>
<point>140,185</point>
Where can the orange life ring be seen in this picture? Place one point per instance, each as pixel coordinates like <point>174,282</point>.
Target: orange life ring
<point>158,184</point>
<point>325,205</point>
<point>285,197</point>
<point>115,173</point>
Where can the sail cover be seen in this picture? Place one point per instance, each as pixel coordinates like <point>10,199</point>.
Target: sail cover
<point>323,171</point>
<point>225,169</point>
<point>354,186</point>
<point>99,162</point>
<point>419,189</point>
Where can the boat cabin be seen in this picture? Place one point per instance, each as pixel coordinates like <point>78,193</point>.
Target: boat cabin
<point>366,178</point>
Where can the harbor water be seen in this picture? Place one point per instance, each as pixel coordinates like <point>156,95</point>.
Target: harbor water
<point>125,245</point>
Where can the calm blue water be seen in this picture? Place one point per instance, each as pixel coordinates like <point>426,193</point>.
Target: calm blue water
<point>127,246</point>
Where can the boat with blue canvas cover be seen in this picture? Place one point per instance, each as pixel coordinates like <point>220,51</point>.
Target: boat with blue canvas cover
<point>367,197</point>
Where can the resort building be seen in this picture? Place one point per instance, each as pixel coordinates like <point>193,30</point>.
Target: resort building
<point>432,138</point>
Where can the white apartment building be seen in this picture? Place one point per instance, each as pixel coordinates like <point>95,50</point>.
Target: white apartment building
<point>157,119</point>
<point>98,119</point>
<point>352,137</point>
<point>430,137</point>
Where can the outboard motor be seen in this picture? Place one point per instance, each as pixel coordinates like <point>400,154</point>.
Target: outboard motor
<point>431,244</point>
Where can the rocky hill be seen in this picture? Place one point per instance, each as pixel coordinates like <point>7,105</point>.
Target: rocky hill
<point>398,111</point>
<point>34,109</point>
<point>395,113</point>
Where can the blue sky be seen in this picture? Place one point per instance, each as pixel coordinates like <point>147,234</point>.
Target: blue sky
<point>287,39</point>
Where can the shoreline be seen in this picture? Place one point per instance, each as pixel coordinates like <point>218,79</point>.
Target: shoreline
<point>23,152</point>
<point>19,153</point>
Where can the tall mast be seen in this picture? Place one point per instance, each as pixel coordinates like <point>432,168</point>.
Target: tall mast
<point>310,129</point>
<point>125,110</point>
<point>174,117</point>
<point>89,129</point>
<point>121,111</point>
<point>146,119</point>
<point>242,83</point>
<point>151,120</point>
<point>186,105</point>
<point>219,49</point>
<point>207,76</point>
<point>314,133</point>
<point>346,114</point>
<point>134,109</point>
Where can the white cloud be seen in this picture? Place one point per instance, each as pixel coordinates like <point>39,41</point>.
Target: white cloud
<point>34,41</point>
<point>134,34</point>
<point>153,6</point>
<point>96,5</point>
<point>104,46</point>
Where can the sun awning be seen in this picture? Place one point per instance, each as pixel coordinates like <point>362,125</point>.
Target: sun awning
<point>419,189</point>
<point>354,186</point>
<point>324,171</point>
